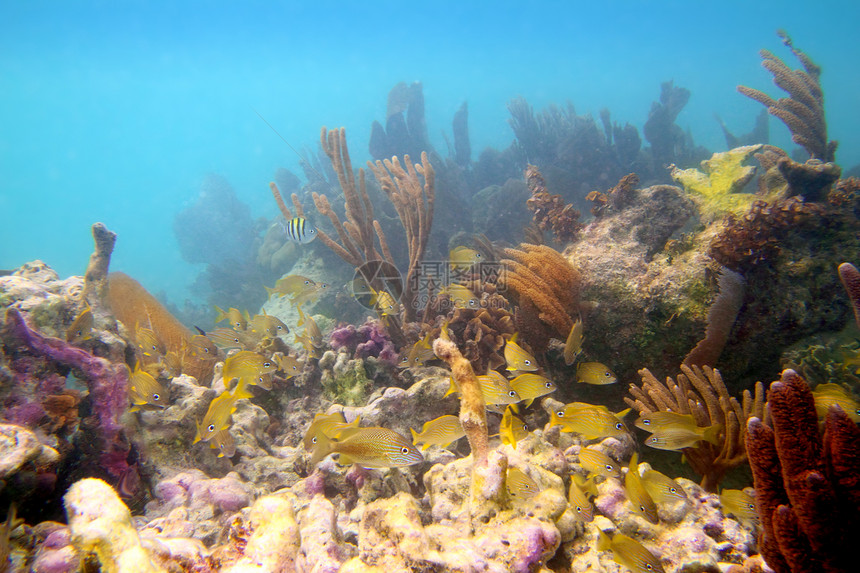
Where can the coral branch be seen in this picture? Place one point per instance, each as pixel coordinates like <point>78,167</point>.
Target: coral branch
<point>702,393</point>
<point>550,211</point>
<point>803,111</point>
<point>721,317</point>
<point>96,277</point>
<point>107,384</point>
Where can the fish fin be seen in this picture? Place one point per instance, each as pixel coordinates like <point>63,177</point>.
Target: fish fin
<point>414,434</point>
<point>452,389</point>
<point>529,402</point>
<point>302,316</point>
<point>200,330</point>
<point>199,434</point>
<point>623,413</point>
<point>241,390</point>
<point>219,314</point>
<point>604,543</point>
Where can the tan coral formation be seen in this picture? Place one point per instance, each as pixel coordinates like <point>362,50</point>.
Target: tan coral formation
<point>702,393</point>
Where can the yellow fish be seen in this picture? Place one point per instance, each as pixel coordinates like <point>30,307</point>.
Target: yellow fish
<point>662,488</point>
<point>292,285</point>
<point>289,365</point>
<point>573,344</point>
<point>217,417</point>
<point>576,496</point>
<point>494,387</point>
<point>629,553</point>
<point>224,443</point>
<point>372,447</point>
<point>517,358</point>
<point>328,425</point>
<point>637,494</point>
<point>512,429</point>
<point>826,395</point>
<point>594,373</point>
<point>531,386</point>
<point>741,504</point>
<point>268,326</point>
<point>247,364</point>
<point>520,485</point>
<point>312,331</point>
<point>596,462</point>
<point>657,421</point>
<point>309,295</point>
<point>200,346</point>
<point>82,327</point>
<point>442,431</point>
<point>590,421</point>
<point>385,304</point>
<point>679,438</point>
<point>227,338</point>
<point>234,316</point>
<point>418,354</point>
<point>463,258</point>
<point>462,297</point>
<point>144,390</point>
<point>148,343</point>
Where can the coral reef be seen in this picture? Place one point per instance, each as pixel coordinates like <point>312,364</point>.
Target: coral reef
<point>702,393</point>
<point>806,487</point>
<point>344,380</point>
<point>803,111</point>
<point>366,340</point>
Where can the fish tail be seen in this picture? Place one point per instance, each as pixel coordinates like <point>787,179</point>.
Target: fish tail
<point>199,434</point>
<point>603,541</point>
<point>219,314</point>
<point>271,291</point>
<point>241,390</point>
<point>414,434</point>
<point>302,317</point>
<point>712,434</point>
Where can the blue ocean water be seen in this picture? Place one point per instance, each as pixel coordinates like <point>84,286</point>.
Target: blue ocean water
<point>116,111</point>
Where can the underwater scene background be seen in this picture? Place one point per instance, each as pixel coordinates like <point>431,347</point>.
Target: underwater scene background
<point>264,266</point>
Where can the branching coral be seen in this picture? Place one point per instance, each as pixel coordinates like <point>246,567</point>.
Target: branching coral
<point>803,110</point>
<point>716,189</point>
<point>550,211</point>
<point>107,384</point>
<point>702,393</point>
<point>547,289</point>
<point>806,488</point>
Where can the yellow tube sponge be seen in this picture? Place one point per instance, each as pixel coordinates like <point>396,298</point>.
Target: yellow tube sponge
<point>100,524</point>
<point>717,190</point>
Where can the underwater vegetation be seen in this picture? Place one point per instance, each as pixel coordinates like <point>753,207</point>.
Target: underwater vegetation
<point>313,421</point>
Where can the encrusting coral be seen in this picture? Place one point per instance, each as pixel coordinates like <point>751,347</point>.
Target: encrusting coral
<point>807,488</point>
<point>803,110</point>
<point>702,393</point>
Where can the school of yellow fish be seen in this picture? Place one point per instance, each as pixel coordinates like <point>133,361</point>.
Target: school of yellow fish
<point>378,447</point>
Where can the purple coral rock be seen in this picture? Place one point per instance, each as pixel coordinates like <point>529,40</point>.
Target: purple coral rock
<point>369,339</point>
<point>226,494</point>
<point>107,384</point>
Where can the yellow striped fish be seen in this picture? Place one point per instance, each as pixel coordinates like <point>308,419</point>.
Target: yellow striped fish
<point>144,390</point>
<point>642,503</point>
<point>741,504</point>
<point>590,421</point>
<point>249,365</point>
<point>326,424</point>
<point>662,488</point>
<point>463,258</point>
<point>442,431</point>
<point>224,443</point>
<point>596,462</point>
<point>299,231</point>
<point>594,373</point>
<point>680,438</point>
<point>217,417</point>
<point>629,553</point>
<point>517,358</point>
<point>656,421</point>
<point>520,485</point>
<point>573,344</point>
<point>531,386</point>
<point>827,394</point>
<point>234,316</point>
<point>512,429</point>
<point>371,447</point>
<point>576,496</point>
<point>82,327</point>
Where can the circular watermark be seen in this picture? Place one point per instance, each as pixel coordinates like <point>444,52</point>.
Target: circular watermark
<point>373,278</point>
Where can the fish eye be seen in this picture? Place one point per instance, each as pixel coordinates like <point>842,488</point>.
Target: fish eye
<point>211,427</point>
<point>280,327</point>
<point>266,364</point>
<point>649,567</point>
<point>751,506</point>
<point>527,362</point>
<point>646,422</point>
<point>156,397</point>
<point>560,414</point>
<point>526,427</point>
<point>314,440</point>
<point>673,490</point>
<point>307,283</point>
<point>404,450</point>
<point>607,374</point>
<point>548,385</point>
<point>578,509</point>
<point>642,508</point>
<point>154,347</point>
<point>609,467</point>
<point>619,426</point>
<point>512,394</point>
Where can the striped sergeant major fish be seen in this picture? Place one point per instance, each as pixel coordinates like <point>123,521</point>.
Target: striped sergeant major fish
<point>300,231</point>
